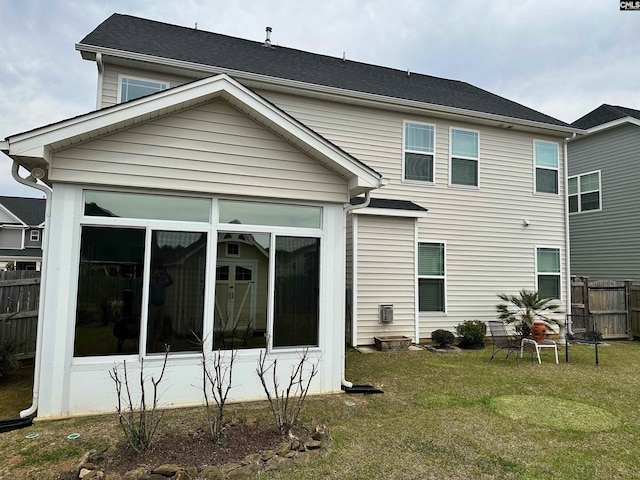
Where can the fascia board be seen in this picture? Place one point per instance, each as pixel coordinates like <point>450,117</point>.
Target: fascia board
<point>613,124</point>
<point>389,212</point>
<point>388,102</point>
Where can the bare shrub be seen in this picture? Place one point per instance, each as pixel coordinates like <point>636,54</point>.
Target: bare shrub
<point>286,403</point>
<point>139,423</point>
<point>217,380</point>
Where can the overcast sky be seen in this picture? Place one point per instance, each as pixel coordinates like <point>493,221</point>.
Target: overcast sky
<point>563,58</point>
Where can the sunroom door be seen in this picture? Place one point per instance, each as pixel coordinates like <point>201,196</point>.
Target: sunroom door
<point>235,303</point>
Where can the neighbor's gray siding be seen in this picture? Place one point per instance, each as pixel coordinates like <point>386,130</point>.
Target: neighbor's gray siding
<point>606,244</point>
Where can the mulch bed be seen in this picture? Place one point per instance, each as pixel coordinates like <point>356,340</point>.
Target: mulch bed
<point>194,449</point>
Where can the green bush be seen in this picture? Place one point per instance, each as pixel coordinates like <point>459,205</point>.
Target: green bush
<point>471,333</point>
<point>443,338</point>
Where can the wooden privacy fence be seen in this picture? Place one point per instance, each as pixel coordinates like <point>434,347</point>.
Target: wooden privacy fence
<point>614,304</point>
<point>19,300</point>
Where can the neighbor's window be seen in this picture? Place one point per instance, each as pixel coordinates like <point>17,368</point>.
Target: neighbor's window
<point>34,235</point>
<point>431,277</point>
<point>584,192</point>
<point>132,88</point>
<point>464,157</point>
<point>418,152</point>
<point>546,161</point>
<point>548,272</point>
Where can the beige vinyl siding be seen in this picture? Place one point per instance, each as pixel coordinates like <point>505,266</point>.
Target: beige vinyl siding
<point>212,148</point>
<point>488,249</point>
<point>5,218</point>
<point>385,275</point>
<point>604,244</point>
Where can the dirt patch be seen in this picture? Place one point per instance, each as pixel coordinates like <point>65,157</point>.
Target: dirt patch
<point>193,449</point>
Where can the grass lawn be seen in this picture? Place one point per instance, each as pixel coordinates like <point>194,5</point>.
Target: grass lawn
<point>441,416</point>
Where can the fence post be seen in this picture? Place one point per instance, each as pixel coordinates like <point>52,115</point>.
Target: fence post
<point>585,295</point>
<point>627,306</point>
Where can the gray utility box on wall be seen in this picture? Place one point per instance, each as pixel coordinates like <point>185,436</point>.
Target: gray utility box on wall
<point>386,313</point>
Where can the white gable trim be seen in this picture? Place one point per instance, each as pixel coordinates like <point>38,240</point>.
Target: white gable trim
<point>41,142</point>
<point>613,124</point>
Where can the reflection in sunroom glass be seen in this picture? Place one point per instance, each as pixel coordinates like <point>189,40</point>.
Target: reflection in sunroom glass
<point>153,207</point>
<point>242,289</point>
<point>254,213</point>
<point>109,291</point>
<point>176,291</point>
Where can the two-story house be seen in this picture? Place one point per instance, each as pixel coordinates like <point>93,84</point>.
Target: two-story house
<point>21,227</point>
<point>239,191</point>
<point>604,171</point>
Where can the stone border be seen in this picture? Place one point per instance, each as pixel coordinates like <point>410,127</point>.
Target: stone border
<point>284,456</point>
<point>449,350</point>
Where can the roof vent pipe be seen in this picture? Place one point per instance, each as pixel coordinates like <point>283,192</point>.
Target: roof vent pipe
<point>267,42</point>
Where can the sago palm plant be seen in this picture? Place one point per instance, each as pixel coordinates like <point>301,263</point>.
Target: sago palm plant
<point>527,307</point>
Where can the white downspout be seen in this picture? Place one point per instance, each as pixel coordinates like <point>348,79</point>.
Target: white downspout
<point>567,238</point>
<point>100,66</point>
<point>30,181</point>
<point>348,208</point>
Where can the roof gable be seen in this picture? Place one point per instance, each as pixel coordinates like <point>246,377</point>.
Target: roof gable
<point>161,41</point>
<point>42,142</point>
<point>606,114</point>
<point>29,211</point>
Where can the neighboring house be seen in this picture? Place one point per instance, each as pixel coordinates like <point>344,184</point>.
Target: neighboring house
<point>252,181</point>
<point>604,200</point>
<point>21,227</point>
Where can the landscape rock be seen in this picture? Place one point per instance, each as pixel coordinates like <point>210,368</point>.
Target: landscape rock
<point>229,467</point>
<point>312,444</point>
<point>283,449</point>
<point>275,463</point>
<point>211,473</point>
<point>267,454</point>
<point>166,470</point>
<point>252,458</point>
<point>243,472</point>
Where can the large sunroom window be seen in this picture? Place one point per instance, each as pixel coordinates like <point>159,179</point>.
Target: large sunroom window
<point>144,283</point>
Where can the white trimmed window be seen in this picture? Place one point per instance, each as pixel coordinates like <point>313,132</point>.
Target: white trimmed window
<point>418,152</point>
<point>431,277</point>
<point>546,165</point>
<point>585,192</point>
<point>34,235</point>
<point>548,272</point>
<point>465,157</point>
<point>130,88</point>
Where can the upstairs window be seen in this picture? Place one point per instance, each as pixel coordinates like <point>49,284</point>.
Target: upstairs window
<point>131,88</point>
<point>546,162</point>
<point>418,152</point>
<point>464,157</point>
<point>584,192</point>
<point>34,235</point>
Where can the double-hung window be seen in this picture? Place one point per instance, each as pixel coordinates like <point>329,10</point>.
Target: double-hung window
<point>548,272</point>
<point>431,277</point>
<point>546,165</point>
<point>464,157</point>
<point>34,235</point>
<point>584,192</point>
<point>131,88</point>
<point>418,152</point>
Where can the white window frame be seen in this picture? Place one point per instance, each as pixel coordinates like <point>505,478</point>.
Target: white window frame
<point>211,228</point>
<point>438,277</point>
<point>580,192</point>
<point>34,235</point>
<point>556,169</point>
<point>418,152</point>
<point>463,157</point>
<point>121,77</point>
<point>558,274</point>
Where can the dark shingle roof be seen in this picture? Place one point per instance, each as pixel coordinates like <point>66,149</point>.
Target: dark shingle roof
<point>27,252</point>
<point>29,210</point>
<point>138,35</point>
<point>605,114</point>
<point>390,204</point>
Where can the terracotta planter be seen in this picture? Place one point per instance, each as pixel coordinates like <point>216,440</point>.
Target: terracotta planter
<point>538,331</point>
